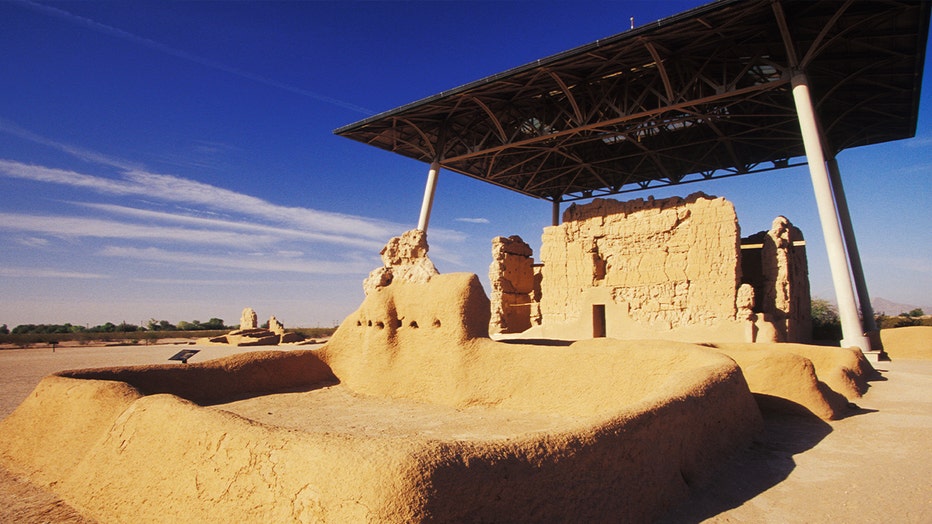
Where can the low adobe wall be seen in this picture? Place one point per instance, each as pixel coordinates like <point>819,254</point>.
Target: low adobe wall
<point>910,342</point>
<point>800,378</point>
<point>635,424</point>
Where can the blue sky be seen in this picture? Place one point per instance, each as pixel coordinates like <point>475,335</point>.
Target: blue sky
<point>176,160</point>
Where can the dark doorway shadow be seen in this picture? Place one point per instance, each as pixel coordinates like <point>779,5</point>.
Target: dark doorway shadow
<point>537,341</point>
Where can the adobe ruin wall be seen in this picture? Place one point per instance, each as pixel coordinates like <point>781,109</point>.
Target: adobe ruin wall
<point>515,294</point>
<point>774,262</point>
<point>668,268</point>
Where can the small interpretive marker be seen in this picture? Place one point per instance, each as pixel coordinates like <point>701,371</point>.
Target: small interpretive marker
<point>184,355</point>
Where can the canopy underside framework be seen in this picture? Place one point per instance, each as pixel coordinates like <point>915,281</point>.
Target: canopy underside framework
<point>700,95</point>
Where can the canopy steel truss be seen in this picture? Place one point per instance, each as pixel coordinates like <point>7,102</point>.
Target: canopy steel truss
<point>700,95</point>
<point>733,87</point>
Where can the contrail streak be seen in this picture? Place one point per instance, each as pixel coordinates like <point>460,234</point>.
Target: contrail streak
<point>184,55</point>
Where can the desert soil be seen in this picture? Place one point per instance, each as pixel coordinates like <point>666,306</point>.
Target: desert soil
<point>873,466</point>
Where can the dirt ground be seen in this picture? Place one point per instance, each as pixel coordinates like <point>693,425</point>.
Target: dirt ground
<point>873,466</point>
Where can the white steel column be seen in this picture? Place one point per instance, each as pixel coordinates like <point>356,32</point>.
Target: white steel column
<point>852,332</point>
<point>428,203</point>
<point>854,256</point>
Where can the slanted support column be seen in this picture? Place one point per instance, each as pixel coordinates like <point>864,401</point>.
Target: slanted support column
<point>854,257</point>
<point>428,203</point>
<point>852,332</point>
<point>555,213</point>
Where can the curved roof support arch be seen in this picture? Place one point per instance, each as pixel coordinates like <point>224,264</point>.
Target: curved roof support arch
<point>703,94</point>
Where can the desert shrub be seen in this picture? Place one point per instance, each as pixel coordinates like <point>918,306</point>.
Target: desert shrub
<point>825,322</point>
<point>315,332</point>
<point>899,321</point>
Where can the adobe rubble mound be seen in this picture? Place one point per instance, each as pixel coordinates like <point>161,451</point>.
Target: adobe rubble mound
<point>404,259</point>
<point>421,344</point>
<point>249,334</point>
<point>655,416</point>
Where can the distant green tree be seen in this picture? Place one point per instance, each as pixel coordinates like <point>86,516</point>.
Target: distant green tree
<point>898,321</point>
<point>825,322</point>
<point>823,311</point>
<point>916,313</point>
<point>4,330</point>
<point>214,323</point>
<point>127,328</point>
<point>109,327</point>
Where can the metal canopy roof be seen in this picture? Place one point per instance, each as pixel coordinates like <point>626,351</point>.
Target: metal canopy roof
<point>703,94</point>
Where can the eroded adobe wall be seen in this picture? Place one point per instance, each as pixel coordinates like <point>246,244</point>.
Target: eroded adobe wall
<point>655,265</point>
<point>620,439</point>
<point>511,276</point>
<point>774,262</point>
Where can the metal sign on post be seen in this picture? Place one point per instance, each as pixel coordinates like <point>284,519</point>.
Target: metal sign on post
<point>184,355</point>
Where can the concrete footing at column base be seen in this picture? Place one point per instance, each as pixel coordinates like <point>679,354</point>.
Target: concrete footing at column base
<point>876,356</point>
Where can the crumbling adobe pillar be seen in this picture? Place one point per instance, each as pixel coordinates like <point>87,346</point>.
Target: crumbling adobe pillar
<point>512,278</point>
<point>785,283</point>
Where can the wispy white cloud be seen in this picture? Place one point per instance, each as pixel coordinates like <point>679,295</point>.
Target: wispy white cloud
<point>923,168</point>
<point>451,257</point>
<point>250,228</point>
<point>919,142</point>
<point>28,272</point>
<point>196,282</point>
<point>177,189</point>
<point>32,241</point>
<point>51,175</point>
<point>904,263</point>
<point>171,188</point>
<point>207,216</point>
<point>263,263</point>
<point>93,157</point>
<point>76,227</point>
<point>473,220</point>
<point>184,55</point>
<point>198,155</point>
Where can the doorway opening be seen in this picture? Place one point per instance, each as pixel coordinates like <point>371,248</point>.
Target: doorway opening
<point>598,320</point>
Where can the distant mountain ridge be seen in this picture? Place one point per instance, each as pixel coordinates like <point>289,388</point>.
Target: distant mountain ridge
<point>890,308</point>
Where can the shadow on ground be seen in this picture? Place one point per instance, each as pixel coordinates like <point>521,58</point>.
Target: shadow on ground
<point>767,462</point>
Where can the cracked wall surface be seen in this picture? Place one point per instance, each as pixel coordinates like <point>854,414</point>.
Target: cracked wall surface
<point>674,268</point>
<point>655,265</point>
<point>774,263</point>
<point>622,428</point>
<point>514,296</point>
